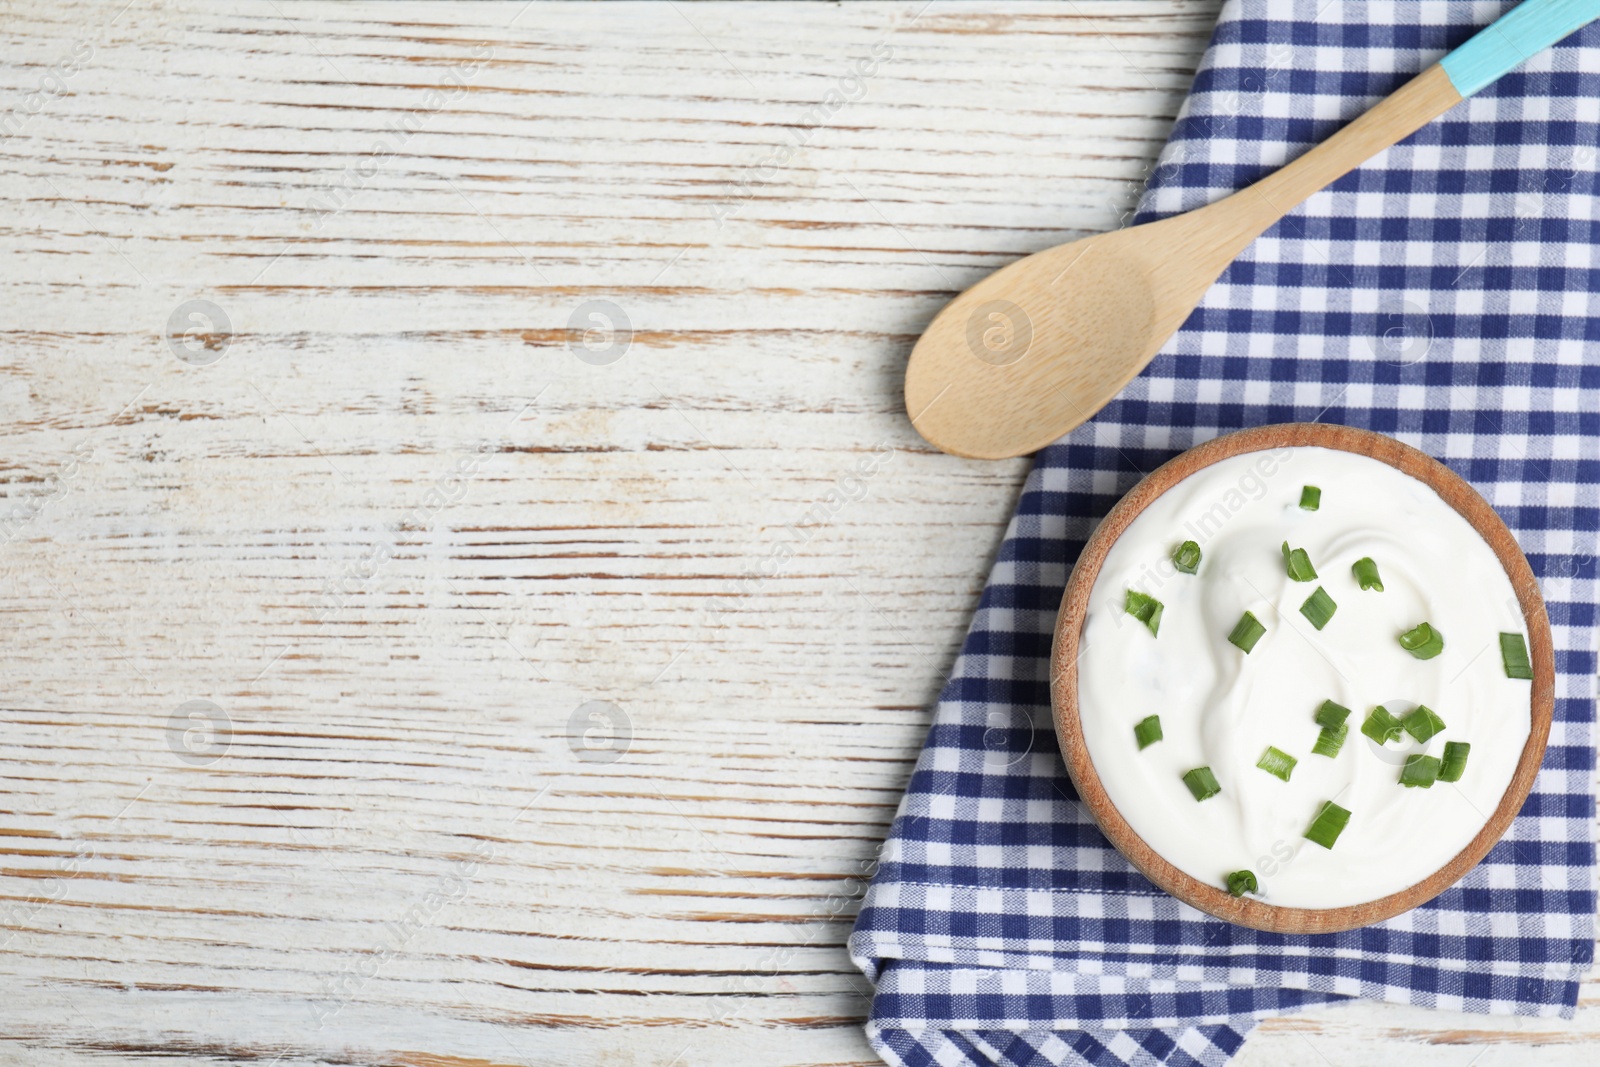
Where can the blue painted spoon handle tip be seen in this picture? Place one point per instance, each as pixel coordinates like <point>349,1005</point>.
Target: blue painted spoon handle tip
<point>1505,44</point>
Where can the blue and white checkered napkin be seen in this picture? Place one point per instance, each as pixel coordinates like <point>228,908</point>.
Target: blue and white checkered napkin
<point>1445,294</point>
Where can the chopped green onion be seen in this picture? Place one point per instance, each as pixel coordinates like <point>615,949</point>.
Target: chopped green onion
<point>1419,771</point>
<point>1147,609</point>
<point>1202,783</point>
<point>1276,762</point>
<point>1423,723</point>
<point>1311,498</point>
<point>1366,573</point>
<point>1319,608</point>
<point>1423,642</point>
<point>1187,557</point>
<point>1247,632</point>
<point>1331,715</point>
<point>1381,726</point>
<point>1328,825</point>
<point>1147,731</point>
<point>1298,564</point>
<point>1455,761</point>
<point>1242,882</point>
<point>1330,740</point>
<point>1514,654</point>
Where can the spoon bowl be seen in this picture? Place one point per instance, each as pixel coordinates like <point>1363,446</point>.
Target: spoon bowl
<point>1039,346</point>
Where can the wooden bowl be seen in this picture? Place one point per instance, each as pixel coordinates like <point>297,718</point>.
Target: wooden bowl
<point>1064,676</point>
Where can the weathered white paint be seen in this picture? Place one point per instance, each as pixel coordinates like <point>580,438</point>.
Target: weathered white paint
<point>400,749</point>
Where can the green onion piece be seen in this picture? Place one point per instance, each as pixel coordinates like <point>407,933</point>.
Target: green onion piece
<point>1187,557</point>
<point>1247,632</point>
<point>1381,726</point>
<point>1147,731</point>
<point>1366,573</point>
<point>1276,762</point>
<point>1202,783</point>
<point>1311,498</point>
<point>1423,642</point>
<point>1328,825</point>
<point>1514,654</point>
<point>1423,723</point>
<point>1331,715</point>
<point>1419,771</point>
<point>1242,882</point>
<point>1319,608</point>
<point>1455,761</point>
<point>1298,564</point>
<point>1147,609</point>
<point>1330,740</point>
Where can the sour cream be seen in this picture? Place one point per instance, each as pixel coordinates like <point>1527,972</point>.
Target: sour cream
<point>1221,708</point>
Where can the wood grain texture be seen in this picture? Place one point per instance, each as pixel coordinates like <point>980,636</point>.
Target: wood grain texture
<point>397,533</point>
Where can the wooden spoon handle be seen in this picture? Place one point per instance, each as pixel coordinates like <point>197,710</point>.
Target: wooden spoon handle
<point>1396,117</point>
<point>1499,48</point>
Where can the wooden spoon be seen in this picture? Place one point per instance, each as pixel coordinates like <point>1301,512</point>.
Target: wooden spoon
<point>1039,346</point>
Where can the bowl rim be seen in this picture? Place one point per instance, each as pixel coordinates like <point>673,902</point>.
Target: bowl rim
<point>1245,911</point>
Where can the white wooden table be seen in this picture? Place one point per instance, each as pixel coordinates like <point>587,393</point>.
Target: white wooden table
<point>405,406</point>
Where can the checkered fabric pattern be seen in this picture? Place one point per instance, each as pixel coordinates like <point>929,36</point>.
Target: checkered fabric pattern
<point>1445,294</point>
